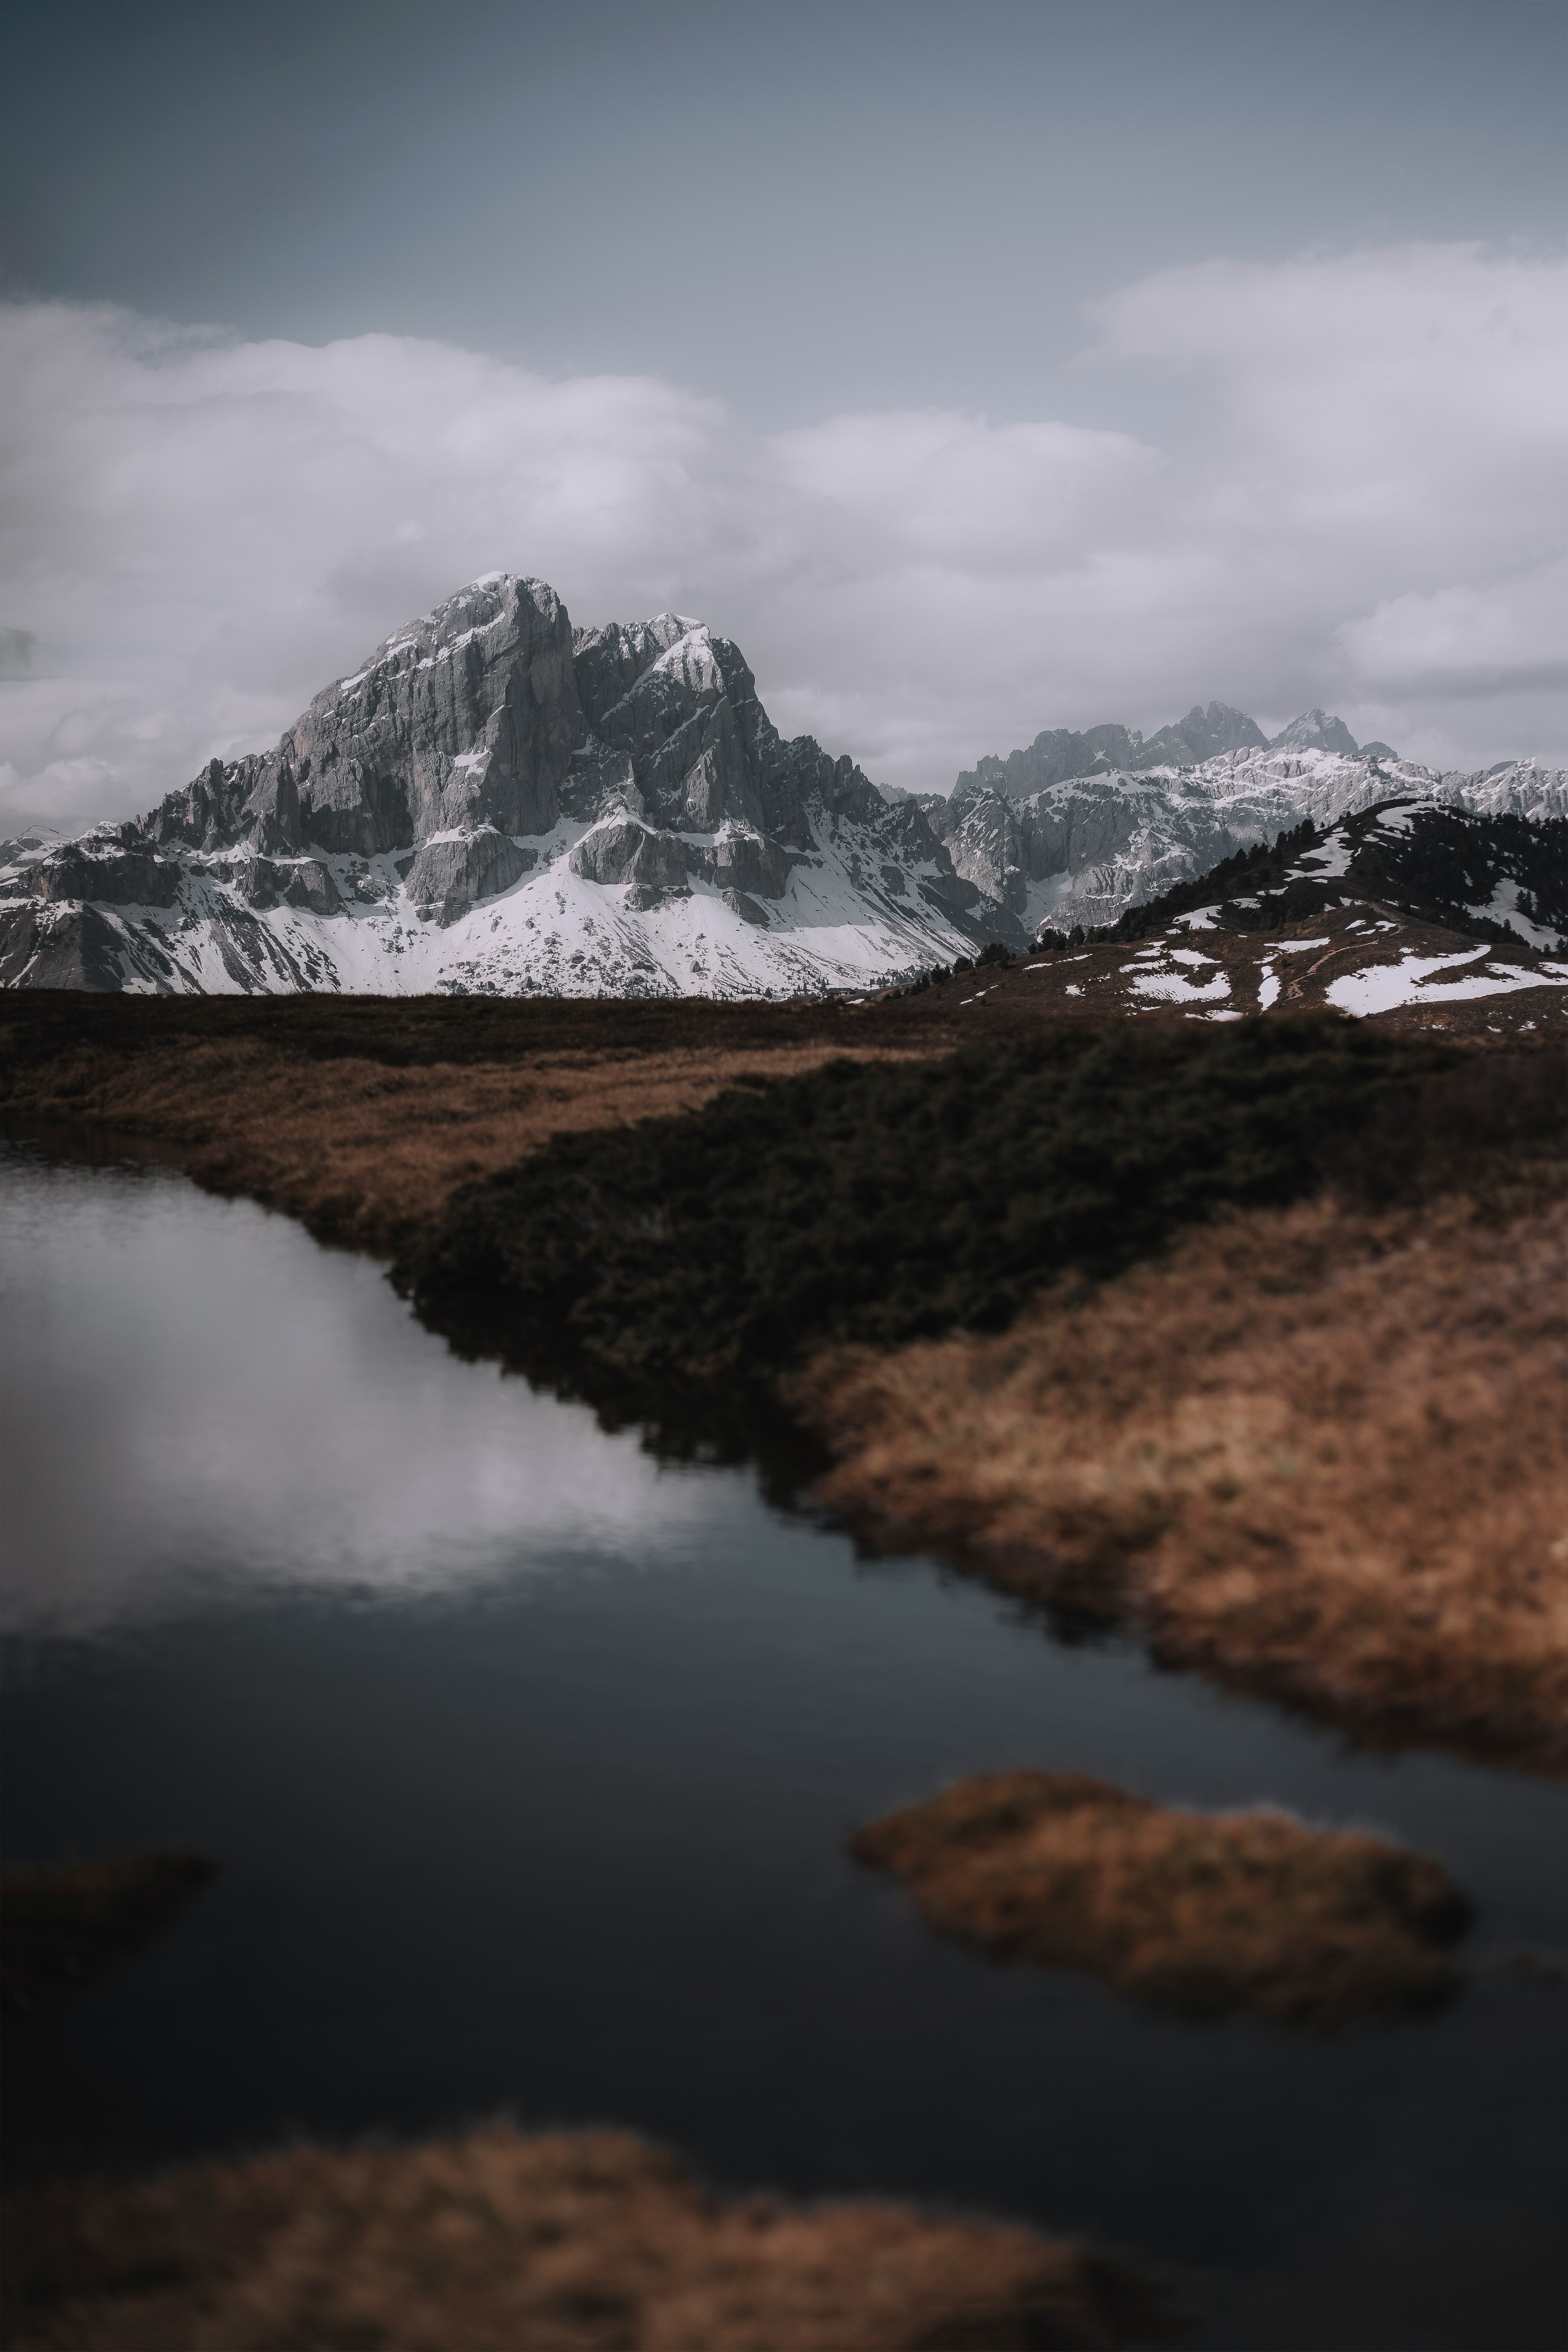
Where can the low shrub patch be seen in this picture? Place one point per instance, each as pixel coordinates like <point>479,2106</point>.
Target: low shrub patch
<point>879,1204</point>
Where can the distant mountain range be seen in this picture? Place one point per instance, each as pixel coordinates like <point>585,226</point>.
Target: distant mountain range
<point>1059,754</point>
<point>1077,828</point>
<point>496,802</point>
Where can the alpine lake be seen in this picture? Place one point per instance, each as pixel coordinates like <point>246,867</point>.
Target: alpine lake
<point>527,1761</point>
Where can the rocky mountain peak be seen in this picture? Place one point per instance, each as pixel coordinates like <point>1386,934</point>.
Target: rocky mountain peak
<point>1202,735</point>
<point>620,786</point>
<point>1315,731</point>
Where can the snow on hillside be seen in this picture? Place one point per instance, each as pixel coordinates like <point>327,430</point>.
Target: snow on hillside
<point>1082,850</point>
<point>496,802</point>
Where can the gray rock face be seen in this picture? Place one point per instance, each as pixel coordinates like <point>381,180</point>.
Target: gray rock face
<point>478,750</point>
<point>1202,735</point>
<point>1058,755</point>
<point>464,719</point>
<point>451,872</point>
<point>1315,730</point>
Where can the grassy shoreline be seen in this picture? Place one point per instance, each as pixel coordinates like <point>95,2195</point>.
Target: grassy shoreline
<point>1320,1456</point>
<point>1251,1338</point>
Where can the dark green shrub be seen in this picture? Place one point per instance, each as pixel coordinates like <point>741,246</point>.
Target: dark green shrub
<point>886,1202</point>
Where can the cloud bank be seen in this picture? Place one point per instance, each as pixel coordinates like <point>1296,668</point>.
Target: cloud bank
<point>1358,502</point>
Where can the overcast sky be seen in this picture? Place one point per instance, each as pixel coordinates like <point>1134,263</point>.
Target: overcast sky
<point>979,370</point>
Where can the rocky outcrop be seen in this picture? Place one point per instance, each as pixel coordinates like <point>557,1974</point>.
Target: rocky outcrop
<point>112,868</point>
<point>455,869</point>
<point>42,945</point>
<point>1060,756</point>
<point>1202,735</point>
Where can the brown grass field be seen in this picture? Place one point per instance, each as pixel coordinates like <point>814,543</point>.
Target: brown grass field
<point>361,1115</point>
<point>1315,1453</point>
<point>1197,1912</point>
<point>495,2241</point>
<point>1320,1455</point>
<point>359,1118</point>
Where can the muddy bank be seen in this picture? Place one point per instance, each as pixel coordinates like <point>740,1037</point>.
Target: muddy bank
<point>1202,1913</point>
<point>1316,1453</point>
<point>581,2241</point>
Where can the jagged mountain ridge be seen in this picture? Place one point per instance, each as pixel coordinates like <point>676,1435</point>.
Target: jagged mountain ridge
<point>1080,850</point>
<point>496,800</point>
<point>1058,753</point>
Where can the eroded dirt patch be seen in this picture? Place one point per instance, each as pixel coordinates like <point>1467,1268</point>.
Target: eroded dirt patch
<point>1196,1912</point>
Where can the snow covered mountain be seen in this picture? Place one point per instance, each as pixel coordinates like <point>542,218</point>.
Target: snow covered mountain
<point>496,802</point>
<point>1081,848</point>
<point>1378,915</point>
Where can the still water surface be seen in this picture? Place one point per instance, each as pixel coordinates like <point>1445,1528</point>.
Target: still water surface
<point>528,1763</point>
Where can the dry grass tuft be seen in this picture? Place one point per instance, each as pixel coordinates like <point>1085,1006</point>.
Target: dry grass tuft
<point>494,2241</point>
<point>1317,1454</point>
<point>365,1151</point>
<point>1197,1912</point>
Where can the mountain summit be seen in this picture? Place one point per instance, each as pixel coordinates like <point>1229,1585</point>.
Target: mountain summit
<point>495,801</point>
<point>1315,730</point>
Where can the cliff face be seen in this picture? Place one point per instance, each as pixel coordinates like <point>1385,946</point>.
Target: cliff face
<point>497,801</point>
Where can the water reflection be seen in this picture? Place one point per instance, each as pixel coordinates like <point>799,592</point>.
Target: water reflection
<point>556,1823</point>
<point>192,1394</point>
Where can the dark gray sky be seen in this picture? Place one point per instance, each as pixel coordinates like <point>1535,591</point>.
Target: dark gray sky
<point>798,208</point>
<point>979,369</point>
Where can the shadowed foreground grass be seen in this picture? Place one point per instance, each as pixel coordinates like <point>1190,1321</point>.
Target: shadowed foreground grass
<point>494,2241</point>
<point>1196,1912</point>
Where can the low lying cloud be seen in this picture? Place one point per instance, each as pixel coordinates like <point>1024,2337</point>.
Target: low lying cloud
<point>1358,503</point>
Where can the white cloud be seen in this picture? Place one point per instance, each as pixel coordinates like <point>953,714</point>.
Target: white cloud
<point>1359,503</point>
<point>1506,637</point>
